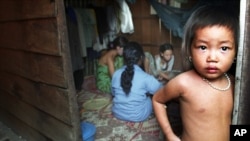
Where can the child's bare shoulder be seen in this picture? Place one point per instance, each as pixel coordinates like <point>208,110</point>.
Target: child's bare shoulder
<point>177,85</point>
<point>183,76</point>
<point>183,79</point>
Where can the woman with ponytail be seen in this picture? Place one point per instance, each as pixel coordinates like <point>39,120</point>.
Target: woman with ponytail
<point>132,87</point>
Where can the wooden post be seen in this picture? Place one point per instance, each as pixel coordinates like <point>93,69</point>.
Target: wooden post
<point>240,111</point>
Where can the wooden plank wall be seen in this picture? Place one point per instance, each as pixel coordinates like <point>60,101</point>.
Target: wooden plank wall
<point>37,95</point>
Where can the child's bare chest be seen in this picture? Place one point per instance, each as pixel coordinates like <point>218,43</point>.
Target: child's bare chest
<point>211,102</point>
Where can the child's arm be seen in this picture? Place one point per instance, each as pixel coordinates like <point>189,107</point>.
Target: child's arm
<point>168,92</point>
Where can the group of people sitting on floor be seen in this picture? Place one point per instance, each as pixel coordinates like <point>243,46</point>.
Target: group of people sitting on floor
<point>113,58</point>
<point>132,76</point>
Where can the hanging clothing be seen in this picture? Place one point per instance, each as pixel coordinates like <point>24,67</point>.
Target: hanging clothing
<point>108,26</point>
<point>74,41</point>
<point>87,28</point>
<point>127,25</point>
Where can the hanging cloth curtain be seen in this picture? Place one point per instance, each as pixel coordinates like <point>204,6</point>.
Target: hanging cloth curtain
<point>174,18</point>
<point>127,25</point>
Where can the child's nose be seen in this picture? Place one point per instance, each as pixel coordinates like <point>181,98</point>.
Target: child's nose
<point>212,56</point>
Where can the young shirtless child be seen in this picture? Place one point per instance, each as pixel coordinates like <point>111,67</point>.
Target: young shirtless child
<point>204,90</point>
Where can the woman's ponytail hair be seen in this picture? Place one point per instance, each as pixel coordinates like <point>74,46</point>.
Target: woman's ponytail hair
<point>132,54</point>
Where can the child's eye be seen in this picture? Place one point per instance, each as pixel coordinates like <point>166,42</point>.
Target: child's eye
<point>202,47</point>
<point>224,48</point>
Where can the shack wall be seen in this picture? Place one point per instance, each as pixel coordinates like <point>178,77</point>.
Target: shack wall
<point>37,95</point>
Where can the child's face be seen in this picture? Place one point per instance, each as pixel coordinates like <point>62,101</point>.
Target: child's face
<point>167,54</point>
<point>213,51</point>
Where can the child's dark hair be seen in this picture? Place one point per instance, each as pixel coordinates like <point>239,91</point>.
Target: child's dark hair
<point>207,16</point>
<point>132,54</point>
<point>120,41</point>
<point>166,46</point>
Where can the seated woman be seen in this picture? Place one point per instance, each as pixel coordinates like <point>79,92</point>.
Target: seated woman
<point>162,64</point>
<point>108,63</point>
<point>132,87</point>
